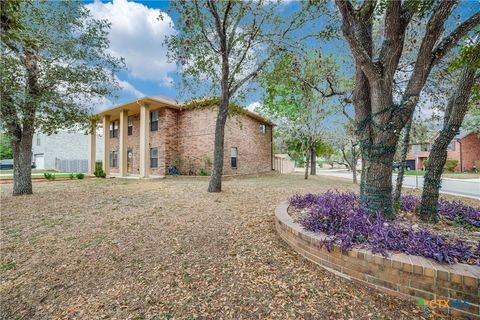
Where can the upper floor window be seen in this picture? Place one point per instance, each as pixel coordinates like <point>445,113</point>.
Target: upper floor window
<point>153,158</point>
<point>263,128</point>
<point>154,121</point>
<point>130,126</point>
<point>233,157</point>
<point>38,140</point>
<point>424,147</point>
<point>113,159</point>
<point>114,129</point>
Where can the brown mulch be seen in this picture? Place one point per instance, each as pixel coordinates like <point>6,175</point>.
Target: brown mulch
<point>167,249</point>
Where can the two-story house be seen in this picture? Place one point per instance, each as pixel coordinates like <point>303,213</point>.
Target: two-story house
<point>147,136</point>
<point>465,148</point>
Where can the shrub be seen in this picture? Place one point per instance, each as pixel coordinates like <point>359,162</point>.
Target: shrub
<point>451,165</point>
<point>72,175</point>
<point>202,172</point>
<point>80,175</point>
<point>340,217</point>
<point>99,170</point>
<point>49,176</point>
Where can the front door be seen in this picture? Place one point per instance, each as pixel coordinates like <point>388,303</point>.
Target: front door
<point>129,160</point>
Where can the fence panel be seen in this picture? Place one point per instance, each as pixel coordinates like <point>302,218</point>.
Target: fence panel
<point>77,165</point>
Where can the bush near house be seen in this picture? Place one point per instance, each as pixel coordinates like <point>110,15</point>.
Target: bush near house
<point>450,164</point>
<point>99,170</point>
<point>80,175</point>
<point>49,176</point>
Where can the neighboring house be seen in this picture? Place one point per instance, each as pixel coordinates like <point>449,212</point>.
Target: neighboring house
<point>63,151</point>
<point>465,148</point>
<point>149,135</point>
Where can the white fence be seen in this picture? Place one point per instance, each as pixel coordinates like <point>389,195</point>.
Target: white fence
<point>80,165</point>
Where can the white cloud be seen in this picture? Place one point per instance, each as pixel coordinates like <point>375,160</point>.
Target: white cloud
<point>254,106</point>
<point>130,88</point>
<point>137,35</point>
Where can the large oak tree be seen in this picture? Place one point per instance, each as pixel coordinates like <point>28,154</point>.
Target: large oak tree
<point>379,117</point>
<point>222,45</point>
<point>54,64</point>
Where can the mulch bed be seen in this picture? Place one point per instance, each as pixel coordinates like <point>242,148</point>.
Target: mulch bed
<point>167,249</point>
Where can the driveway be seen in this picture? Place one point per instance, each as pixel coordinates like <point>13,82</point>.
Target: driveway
<point>460,187</point>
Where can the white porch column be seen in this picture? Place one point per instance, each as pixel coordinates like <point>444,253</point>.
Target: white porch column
<point>123,143</point>
<point>92,147</point>
<point>144,141</point>
<point>106,144</point>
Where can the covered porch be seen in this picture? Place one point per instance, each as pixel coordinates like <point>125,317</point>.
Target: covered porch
<point>120,114</point>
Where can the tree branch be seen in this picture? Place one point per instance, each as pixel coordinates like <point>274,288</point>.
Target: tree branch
<point>452,39</point>
<point>360,54</point>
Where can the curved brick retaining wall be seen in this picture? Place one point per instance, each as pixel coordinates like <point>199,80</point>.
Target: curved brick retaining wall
<point>413,277</point>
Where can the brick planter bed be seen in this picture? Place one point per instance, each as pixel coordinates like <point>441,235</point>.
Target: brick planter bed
<point>453,288</point>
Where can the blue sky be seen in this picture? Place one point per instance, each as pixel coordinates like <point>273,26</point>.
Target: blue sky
<point>137,35</point>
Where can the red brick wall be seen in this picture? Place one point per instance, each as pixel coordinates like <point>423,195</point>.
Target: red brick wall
<point>196,135</point>
<point>470,151</point>
<point>400,275</point>
<point>185,138</point>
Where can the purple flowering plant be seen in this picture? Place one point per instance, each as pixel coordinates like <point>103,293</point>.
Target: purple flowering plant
<point>339,216</point>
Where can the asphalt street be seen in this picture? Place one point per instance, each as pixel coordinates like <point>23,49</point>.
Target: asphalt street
<point>462,187</point>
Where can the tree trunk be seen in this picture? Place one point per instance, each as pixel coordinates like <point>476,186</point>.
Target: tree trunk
<point>313,161</point>
<point>454,113</point>
<point>215,184</point>
<point>377,184</point>
<point>354,166</point>
<point>22,164</point>
<point>403,162</point>
<point>432,179</point>
<point>307,157</point>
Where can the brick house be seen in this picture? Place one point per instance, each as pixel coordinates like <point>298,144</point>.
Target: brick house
<point>147,136</point>
<point>465,148</point>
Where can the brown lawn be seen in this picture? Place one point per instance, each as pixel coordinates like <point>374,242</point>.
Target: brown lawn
<point>167,249</point>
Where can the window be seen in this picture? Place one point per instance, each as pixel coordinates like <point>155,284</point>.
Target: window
<point>451,146</point>
<point>263,128</point>
<point>233,157</point>
<point>154,121</point>
<point>38,140</point>
<point>130,126</point>
<point>114,129</point>
<point>153,158</point>
<point>424,147</point>
<point>113,159</point>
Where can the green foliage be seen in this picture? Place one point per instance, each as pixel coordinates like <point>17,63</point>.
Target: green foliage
<point>80,175</point>
<point>49,176</point>
<point>62,50</point>
<point>212,102</point>
<point>450,164</point>
<point>72,175</point>
<point>5,147</point>
<point>202,172</point>
<point>99,173</point>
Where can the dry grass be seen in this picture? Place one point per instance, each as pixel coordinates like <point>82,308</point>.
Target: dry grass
<point>167,249</point>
